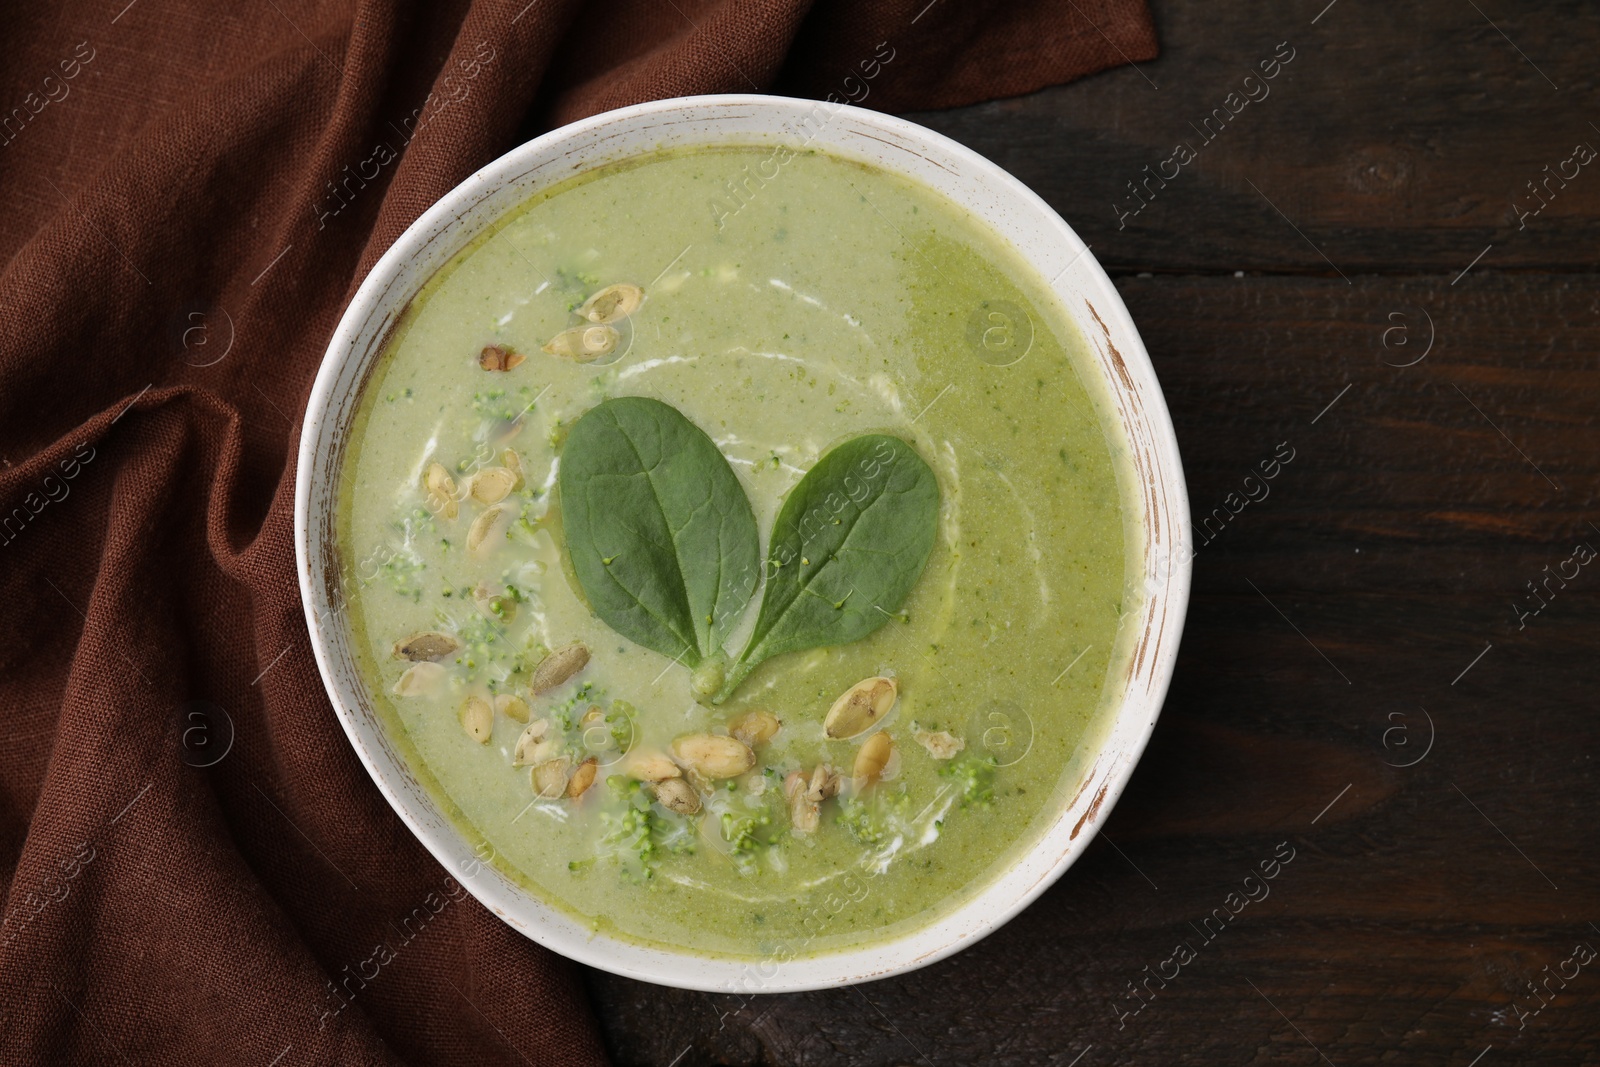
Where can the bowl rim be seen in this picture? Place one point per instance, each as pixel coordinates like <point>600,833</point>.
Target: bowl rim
<point>1127,374</point>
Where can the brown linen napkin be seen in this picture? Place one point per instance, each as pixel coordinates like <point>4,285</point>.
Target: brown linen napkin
<point>197,868</point>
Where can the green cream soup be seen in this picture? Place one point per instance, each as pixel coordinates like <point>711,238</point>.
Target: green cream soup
<point>829,302</point>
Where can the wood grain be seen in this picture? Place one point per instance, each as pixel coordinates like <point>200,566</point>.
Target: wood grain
<point>1362,607</point>
<point>1332,621</point>
<point>1400,137</point>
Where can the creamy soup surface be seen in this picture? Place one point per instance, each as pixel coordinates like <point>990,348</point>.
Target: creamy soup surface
<point>831,301</point>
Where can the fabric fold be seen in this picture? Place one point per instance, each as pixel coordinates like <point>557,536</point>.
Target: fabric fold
<point>197,869</point>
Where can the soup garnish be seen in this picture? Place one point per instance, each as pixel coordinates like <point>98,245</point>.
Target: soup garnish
<point>750,585</point>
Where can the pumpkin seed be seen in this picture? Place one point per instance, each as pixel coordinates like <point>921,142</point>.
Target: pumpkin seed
<point>522,751</point>
<point>824,783</point>
<point>511,706</point>
<point>806,794</point>
<point>583,777</point>
<point>492,484</point>
<point>871,759</point>
<point>550,777</point>
<point>584,343</point>
<point>477,718</point>
<point>488,530</point>
<point>499,357</point>
<point>513,463</point>
<point>507,430</point>
<point>713,756</point>
<point>558,667</point>
<point>420,679</point>
<point>612,303</point>
<point>441,490</point>
<point>754,727</point>
<point>427,645</point>
<point>650,767</point>
<point>805,814</point>
<point>674,793</point>
<point>860,707</point>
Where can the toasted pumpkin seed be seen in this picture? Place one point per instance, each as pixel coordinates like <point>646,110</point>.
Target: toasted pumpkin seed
<point>860,707</point>
<point>558,667</point>
<point>550,777</point>
<point>805,813</point>
<point>650,767</point>
<point>492,484</point>
<point>506,430</point>
<point>713,756</point>
<point>513,463</point>
<point>477,718</point>
<point>806,794</point>
<point>612,303</point>
<point>511,706</point>
<point>531,736</point>
<point>429,645</point>
<point>675,793</point>
<point>583,777</point>
<point>824,783</point>
<point>584,343</point>
<point>755,727</point>
<point>871,759</point>
<point>441,490</point>
<point>488,530</point>
<point>499,357</point>
<point>420,679</point>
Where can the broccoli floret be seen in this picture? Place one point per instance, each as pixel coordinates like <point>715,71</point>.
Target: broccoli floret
<point>975,775</point>
<point>877,819</point>
<point>860,823</point>
<point>639,835</point>
<point>621,722</point>
<point>747,837</point>
<point>564,712</point>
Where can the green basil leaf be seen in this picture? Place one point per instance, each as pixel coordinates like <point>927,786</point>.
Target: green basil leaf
<point>849,544</point>
<point>659,530</point>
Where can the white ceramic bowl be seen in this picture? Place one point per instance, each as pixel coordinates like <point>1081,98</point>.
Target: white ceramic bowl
<point>1151,632</point>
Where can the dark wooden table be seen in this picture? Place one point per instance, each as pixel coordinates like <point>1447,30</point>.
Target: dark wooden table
<point>1356,265</point>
